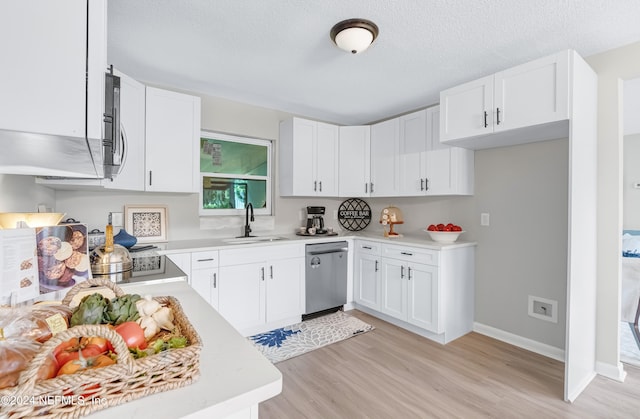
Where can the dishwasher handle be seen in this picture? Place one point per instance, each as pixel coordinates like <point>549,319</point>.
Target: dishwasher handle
<point>324,252</point>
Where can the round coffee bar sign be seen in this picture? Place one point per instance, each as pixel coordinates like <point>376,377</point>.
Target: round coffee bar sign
<point>354,214</point>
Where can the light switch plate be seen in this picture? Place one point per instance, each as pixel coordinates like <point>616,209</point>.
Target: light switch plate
<point>117,219</point>
<point>484,219</point>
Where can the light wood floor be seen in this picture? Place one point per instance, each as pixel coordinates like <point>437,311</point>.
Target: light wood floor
<point>392,373</point>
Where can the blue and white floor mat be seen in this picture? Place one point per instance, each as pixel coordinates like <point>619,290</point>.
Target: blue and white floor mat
<point>287,342</point>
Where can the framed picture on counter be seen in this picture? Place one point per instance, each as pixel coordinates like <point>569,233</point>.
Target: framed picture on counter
<point>148,223</point>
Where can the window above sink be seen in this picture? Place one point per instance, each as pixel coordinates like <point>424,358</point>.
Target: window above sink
<point>234,171</point>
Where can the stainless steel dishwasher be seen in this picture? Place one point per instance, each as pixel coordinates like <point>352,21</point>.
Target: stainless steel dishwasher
<point>325,277</point>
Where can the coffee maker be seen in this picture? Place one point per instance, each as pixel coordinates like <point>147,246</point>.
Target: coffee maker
<point>315,219</point>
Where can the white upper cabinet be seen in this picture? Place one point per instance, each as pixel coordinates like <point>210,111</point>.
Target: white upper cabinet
<point>413,143</point>
<point>427,167</point>
<point>446,170</point>
<point>385,140</point>
<point>354,161</point>
<point>534,94</point>
<point>172,141</point>
<point>47,49</point>
<point>466,110</point>
<point>308,163</point>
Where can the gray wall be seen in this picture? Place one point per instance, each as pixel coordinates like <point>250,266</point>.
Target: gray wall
<point>524,250</point>
<point>631,195</point>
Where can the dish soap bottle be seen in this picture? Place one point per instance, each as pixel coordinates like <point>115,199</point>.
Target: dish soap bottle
<point>108,238</point>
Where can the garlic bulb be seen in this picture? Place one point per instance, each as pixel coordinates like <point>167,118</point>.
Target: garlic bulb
<point>149,325</point>
<point>164,318</point>
<point>147,306</point>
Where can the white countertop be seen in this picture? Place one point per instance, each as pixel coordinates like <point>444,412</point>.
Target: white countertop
<point>233,375</point>
<point>419,239</point>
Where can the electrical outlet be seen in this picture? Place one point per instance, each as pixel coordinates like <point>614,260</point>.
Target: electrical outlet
<point>543,309</point>
<point>335,214</point>
<point>484,219</point>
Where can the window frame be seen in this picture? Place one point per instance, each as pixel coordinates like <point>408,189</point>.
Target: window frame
<point>213,135</point>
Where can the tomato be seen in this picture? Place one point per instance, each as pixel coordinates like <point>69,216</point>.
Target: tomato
<point>457,228</point>
<point>440,227</point>
<point>432,227</point>
<point>132,334</point>
<point>70,350</point>
<point>82,363</point>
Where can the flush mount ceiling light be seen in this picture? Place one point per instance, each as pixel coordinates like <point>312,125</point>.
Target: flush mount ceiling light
<point>354,35</point>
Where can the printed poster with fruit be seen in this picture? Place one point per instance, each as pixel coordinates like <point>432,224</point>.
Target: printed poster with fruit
<point>63,256</point>
<point>19,275</point>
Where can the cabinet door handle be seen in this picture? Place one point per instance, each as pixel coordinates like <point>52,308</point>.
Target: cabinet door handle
<point>371,187</point>
<point>215,280</point>
<point>366,187</point>
<point>376,268</point>
<point>150,174</point>
<point>320,183</point>
<point>402,272</point>
<point>497,116</point>
<point>315,186</point>
<point>426,184</point>
<point>262,273</point>
<point>366,247</point>
<point>409,275</point>
<point>406,253</point>
<point>271,271</point>
<point>422,184</point>
<point>485,119</point>
<point>204,260</point>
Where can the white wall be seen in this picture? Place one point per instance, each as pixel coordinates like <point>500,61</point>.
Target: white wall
<point>20,194</point>
<point>612,68</point>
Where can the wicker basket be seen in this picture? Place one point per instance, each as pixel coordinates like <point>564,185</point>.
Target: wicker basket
<point>79,394</point>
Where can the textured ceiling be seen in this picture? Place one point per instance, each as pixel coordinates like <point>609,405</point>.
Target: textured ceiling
<point>278,54</point>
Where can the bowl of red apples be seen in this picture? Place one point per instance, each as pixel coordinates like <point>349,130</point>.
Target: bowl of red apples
<point>444,233</point>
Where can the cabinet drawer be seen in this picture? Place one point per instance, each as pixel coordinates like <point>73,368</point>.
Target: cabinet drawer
<point>256,254</point>
<point>204,260</point>
<point>368,248</point>
<point>411,254</point>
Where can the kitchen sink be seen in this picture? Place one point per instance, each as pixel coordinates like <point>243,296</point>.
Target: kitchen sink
<point>247,240</point>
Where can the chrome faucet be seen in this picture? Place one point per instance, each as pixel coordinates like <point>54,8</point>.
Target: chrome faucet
<point>247,227</point>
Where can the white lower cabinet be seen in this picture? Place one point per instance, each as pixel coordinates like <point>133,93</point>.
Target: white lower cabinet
<point>367,274</point>
<point>261,288</point>
<point>201,269</point>
<point>204,275</point>
<point>410,292</point>
<point>427,291</point>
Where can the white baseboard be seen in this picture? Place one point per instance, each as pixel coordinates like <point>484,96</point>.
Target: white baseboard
<point>519,341</point>
<point>614,372</point>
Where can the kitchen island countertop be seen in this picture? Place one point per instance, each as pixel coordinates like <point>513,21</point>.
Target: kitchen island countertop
<point>233,375</point>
